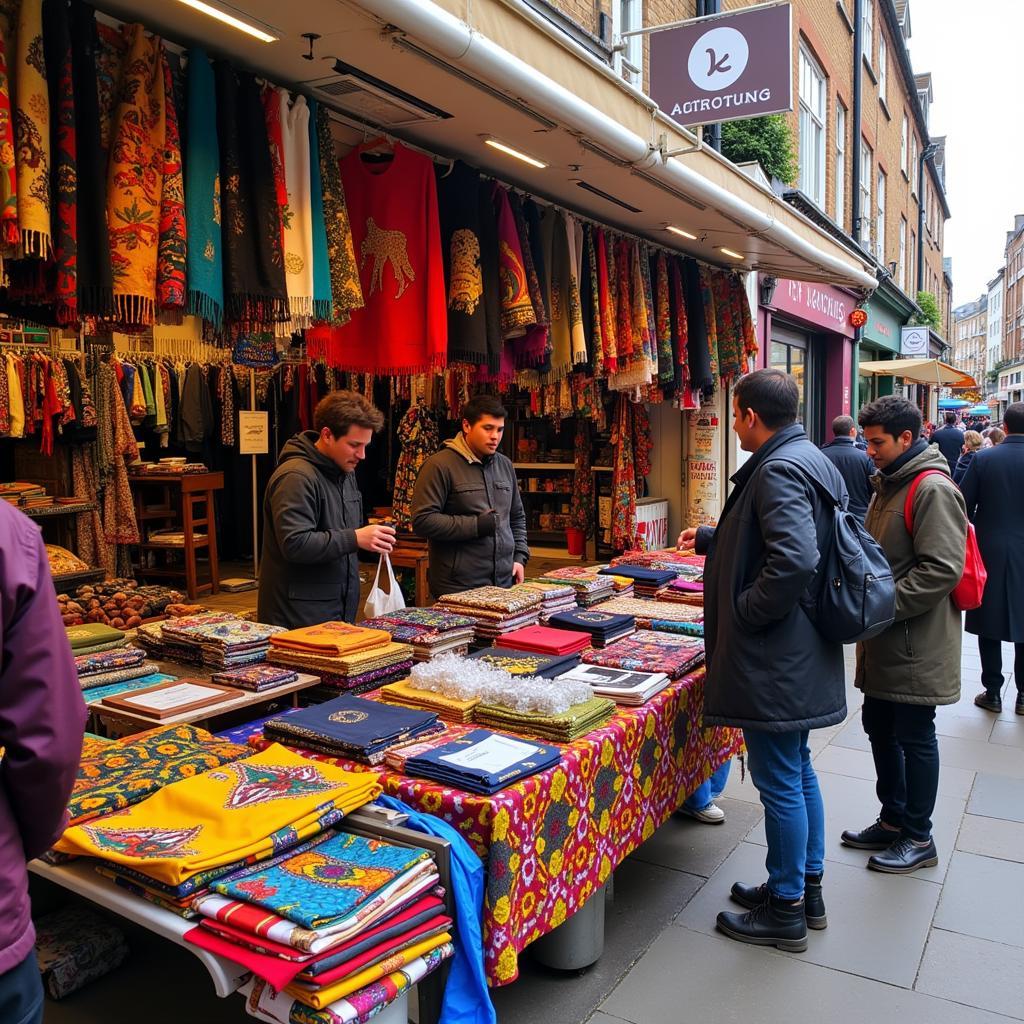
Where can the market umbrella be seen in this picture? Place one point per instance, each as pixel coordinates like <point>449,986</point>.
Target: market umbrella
<point>953,403</point>
<point>919,371</point>
<point>979,410</point>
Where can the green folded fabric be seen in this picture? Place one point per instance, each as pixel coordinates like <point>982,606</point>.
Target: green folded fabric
<point>570,725</point>
<point>90,634</point>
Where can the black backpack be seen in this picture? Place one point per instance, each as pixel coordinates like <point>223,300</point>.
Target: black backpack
<point>853,594</point>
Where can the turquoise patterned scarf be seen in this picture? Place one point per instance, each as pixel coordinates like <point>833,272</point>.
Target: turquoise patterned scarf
<point>322,297</point>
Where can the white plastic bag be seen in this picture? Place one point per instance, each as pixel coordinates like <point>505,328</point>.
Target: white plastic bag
<point>380,602</point>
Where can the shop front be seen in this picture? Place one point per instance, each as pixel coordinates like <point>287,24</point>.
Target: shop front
<point>888,310</point>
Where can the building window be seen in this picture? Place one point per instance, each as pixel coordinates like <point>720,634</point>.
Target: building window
<point>912,264</point>
<point>868,30</point>
<point>912,170</point>
<point>627,16</point>
<point>883,63</point>
<point>880,219</point>
<point>812,129</point>
<point>840,164</point>
<point>865,195</point>
<point>901,266</point>
<point>903,146</point>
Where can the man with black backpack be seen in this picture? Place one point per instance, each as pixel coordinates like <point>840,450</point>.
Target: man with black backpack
<point>770,671</point>
<point>913,665</point>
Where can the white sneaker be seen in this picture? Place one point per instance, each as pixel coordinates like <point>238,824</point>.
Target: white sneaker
<point>711,815</point>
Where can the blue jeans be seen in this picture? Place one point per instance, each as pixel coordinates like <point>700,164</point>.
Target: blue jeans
<point>21,993</point>
<point>794,816</point>
<point>710,789</point>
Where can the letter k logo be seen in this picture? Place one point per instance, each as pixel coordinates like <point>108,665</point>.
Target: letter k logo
<point>719,65</point>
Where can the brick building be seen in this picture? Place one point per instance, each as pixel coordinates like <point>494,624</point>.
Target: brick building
<point>970,337</point>
<point>996,301</point>
<point>1013,308</point>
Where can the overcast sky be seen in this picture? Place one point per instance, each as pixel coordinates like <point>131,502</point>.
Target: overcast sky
<point>976,84</point>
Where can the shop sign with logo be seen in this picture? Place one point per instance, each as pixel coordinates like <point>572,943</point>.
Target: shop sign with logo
<point>820,305</point>
<point>724,68</point>
<point>914,342</point>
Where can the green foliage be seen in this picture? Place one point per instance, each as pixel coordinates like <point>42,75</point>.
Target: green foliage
<point>929,314</point>
<point>765,139</point>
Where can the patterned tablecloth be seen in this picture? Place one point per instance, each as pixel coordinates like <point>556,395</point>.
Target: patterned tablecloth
<point>550,841</point>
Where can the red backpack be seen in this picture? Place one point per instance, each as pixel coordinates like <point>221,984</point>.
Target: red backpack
<point>967,594</point>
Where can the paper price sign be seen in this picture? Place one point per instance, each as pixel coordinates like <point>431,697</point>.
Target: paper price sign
<point>253,433</point>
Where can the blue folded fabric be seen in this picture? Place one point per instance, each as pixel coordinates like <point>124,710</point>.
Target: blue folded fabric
<point>656,577</point>
<point>600,624</point>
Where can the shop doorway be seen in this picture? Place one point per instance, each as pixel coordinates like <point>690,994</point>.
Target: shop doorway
<point>791,352</point>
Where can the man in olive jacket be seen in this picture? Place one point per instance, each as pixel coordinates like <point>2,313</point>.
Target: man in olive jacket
<point>467,504</point>
<point>770,672</point>
<point>915,664</point>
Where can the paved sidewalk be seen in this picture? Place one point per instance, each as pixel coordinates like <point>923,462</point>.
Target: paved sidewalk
<point>942,946</point>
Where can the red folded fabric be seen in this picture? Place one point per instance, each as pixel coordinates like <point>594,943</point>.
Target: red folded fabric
<point>275,970</point>
<point>545,640</point>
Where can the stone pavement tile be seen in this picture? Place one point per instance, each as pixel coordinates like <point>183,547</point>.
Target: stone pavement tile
<point>992,837</point>
<point>983,757</point>
<point>852,804</point>
<point>859,764</point>
<point>739,788</point>
<point>687,845</point>
<point>996,796</point>
<point>852,735</point>
<point>1008,733</point>
<point>603,1018</point>
<point>974,972</point>
<point>646,899</point>
<point>967,723</point>
<point>877,924</point>
<point>983,897</point>
<point>687,976</point>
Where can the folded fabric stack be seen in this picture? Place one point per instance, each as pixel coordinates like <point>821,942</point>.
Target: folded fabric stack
<point>330,639</point>
<point>96,694</point>
<point>429,631</point>
<point>20,493</point>
<point>396,757</point>
<point>646,582</point>
<point>120,664</point>
<point>684,564</point>
<point>94,637</point>
<point>526,663</point>
<point>150,637</point>
<point>620,685</point>
<point>184,836</point>
<point>679,628</point>
<point>650,651</point>
<point>482,761</point>
<point>75,946</point>
<point>546,640</point>
<point>359,672</point>
<point>604,628</point>
<point>646,611</point>
<point>496,610</point>
<point>116,774</point>
<point>326,920</point>
<point>683,591</point>
<point>406,695</point>
<point>560,727</point>
<point>362,730</point>
<point>590,586</point>
<point>256,678</point>
<point>555,597</point>
<point>224,641</point>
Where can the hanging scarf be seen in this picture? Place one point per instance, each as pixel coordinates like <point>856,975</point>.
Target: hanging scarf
<point>742,317</point>
<point>202,194</point>
<point>111,58</point>
<point>57,40</point>
<point>574,231</point>
<point>418,437</point>
<point>666,363</point>
<point>346,291</point>
<point>680,361</point>
<point>606,305</point>
<point>275,108</point>
<point>172,256</point>
<point>625,297</point>
<point>590,304</point>
<point>707,295</point>
<point>135,181</point>
<point>323,300</point>
<point>517,313</point>
<point>537,298</point>
<point>10,236</point>
<point>582,510</point>
<point>298,227</point>
<point>254,279</point>
<point>32,132</point>
<point>623,478</point>
<point>556,287</point>
<point>698,350</point>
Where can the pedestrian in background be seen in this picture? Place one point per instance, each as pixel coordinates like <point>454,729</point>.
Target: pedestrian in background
<point>972,445</point>
<point>995,436</point>
<point>853,464</point>
<point>994,492</point>
<point>915,664</point>
<point>950,440</point>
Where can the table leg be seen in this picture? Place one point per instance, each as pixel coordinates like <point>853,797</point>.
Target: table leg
<point>211,536</point>
<point>190,549</point>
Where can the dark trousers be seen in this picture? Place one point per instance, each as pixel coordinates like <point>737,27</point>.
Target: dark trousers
<point>991,652</point>
<point>906,757</point>
<point>21,993</point>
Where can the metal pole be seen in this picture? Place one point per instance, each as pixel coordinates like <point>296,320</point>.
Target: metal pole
<point>717,13</point>
<point>858,103</point>
<point>712,132</point>
<point>255,500</point>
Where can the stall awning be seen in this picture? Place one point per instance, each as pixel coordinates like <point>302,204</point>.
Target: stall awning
<point>918,371</point>
<point>497,69</point>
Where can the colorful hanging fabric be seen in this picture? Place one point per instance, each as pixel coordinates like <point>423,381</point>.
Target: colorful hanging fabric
<point>677,306</point>
<point>582,511</point>
<point>135,182</point>
<point>666,362</point>
<point>275,107</point>
<point>593,311</point>
<point>10,236</point>
<point>534,268</point>
<point>255,291</point>
<point>557,286</point>
<point>298,219</point>
<point>606,303</point>
<point>626,296</point>
<point>698,347</point>
<point>707,295</point>
<point>574,231</point>
<point>517,310</point>
<point>346,291</point>
<point>173,250</point>
<point>419,439</point>
<point>111,56</point>
<point>323,299</point>
<point>745,320</point>
<point>623,478</point>
<point>205,271</point>
<point>32,132</point>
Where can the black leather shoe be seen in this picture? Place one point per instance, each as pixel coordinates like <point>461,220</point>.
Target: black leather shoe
<point>1019,706</point>
<point>905,856</point>
<point>988,702</point>
<point>775,923</point>
<point>751,896</point>
<point>874,837</point>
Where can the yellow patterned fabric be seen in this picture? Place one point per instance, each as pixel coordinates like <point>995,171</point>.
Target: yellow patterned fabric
<point>408,696</point>
<point>331,639</point>
<point>32,131</point>
<point>247,809</point>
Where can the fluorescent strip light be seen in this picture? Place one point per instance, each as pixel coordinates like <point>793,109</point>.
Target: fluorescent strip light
<point>680,231</point>
<point>230,19</point>
<point>734,255</point>
<point>515,152</point>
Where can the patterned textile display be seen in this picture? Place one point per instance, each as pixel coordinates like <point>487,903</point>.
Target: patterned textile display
<point>32,132</point>
<point>75,946</point>
<point>496,601</point>
<point>707,293</point>
<point>631,446</point>
<point>570,725</point>
<point>107,661</point>
<point>298,216</point>
<point>127,771</point>
<point>582,508</point>
<point>680,628</point>
<point>322,298</point>
<point>700,333</point>
<point>421,625</point>
<point>582,580</point>
<point>244,809</point>
<point>333,639</point>
<point>645,611</point>
<point>89,634</point>
<point>419,439</point>
<point>517,309</point>
<point>225,642</point>
<point>603,627</point>
<point>526,663</point>
<point>10,236</point>
<point>670,559</point>
<point>651,651</point>
<point>117,675</point>
<point>205,270</point>
<point>396,757</point>
<point>172,254</point>
<point>255,291</point>
<point>255,677</point>
<point>135,182</point>
<point>409,696</point>
<point>95,694</point>
<point>386,656</point>
<point>640,574</point>
<point>275,106</point>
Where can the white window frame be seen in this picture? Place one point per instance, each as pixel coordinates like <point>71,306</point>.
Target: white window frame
<point>813,108</point>
<point>868,30</point>
<point>913,164</point>
<point>883,62</point>
<point>628,16</point>
<point>866,167</point>
<point>902,262</point>
<point>904,150</point>
<point>840,164</point>
<point>880,216</point>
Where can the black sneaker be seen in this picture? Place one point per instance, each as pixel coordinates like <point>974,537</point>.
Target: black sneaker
<point>988,702</point>
<point>1019,706</point>
<point>905,856</point>
<point>775,923</point>
<point>751,896</point>
<point>874,837</point>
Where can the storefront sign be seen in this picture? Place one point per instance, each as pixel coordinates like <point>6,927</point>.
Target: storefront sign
<point>253,433</point>
<point>724,68</point>
<point>914,342</point>
<point>883,326</point>
<point>820,305</point>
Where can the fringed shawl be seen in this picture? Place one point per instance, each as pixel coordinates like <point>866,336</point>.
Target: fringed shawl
<point>32,132</point>
<point>172,255</point>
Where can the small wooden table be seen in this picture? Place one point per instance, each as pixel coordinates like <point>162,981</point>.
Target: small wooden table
<point>416,559</point>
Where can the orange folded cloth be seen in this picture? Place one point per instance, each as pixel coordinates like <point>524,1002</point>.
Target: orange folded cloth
<point>331,638</point>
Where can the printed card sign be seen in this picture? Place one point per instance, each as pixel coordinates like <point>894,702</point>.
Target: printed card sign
<point>253,433</point>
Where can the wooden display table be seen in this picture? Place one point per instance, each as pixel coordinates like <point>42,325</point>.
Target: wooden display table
<point>182,493</point>
<point>416,558</point>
